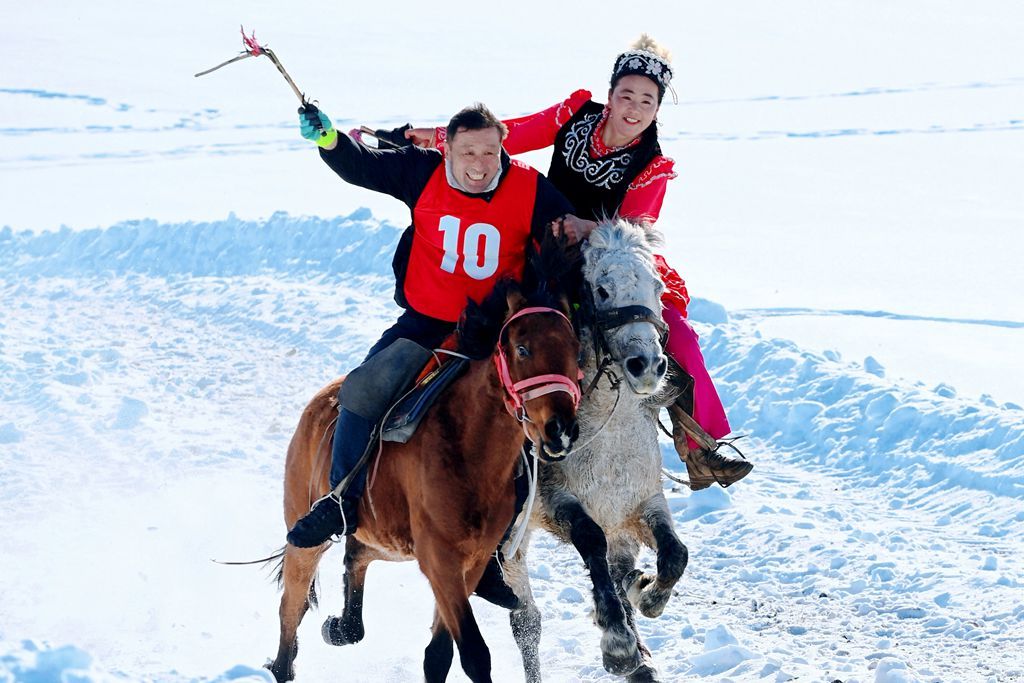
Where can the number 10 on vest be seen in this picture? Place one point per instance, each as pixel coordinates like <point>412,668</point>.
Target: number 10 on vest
<point>479,249</point>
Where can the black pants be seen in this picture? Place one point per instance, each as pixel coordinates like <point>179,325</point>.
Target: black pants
<point>352,432</point>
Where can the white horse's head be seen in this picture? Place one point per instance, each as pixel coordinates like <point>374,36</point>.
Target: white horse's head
<point>626,290</point>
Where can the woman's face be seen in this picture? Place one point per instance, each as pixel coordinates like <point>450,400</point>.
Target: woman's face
<point>632,106</point>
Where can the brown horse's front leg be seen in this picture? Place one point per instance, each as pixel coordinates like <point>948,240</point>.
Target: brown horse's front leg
<point>437,658</point>
<point>348,628</point>
<point>450,581</point>
<point>648,593</point>
<point>297,571</point>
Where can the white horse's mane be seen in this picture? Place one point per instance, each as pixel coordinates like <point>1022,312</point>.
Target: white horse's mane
<point>616,244</point>
<point>619,233</point>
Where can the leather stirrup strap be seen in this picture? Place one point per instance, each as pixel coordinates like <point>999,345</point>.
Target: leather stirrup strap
<point>694,430</point>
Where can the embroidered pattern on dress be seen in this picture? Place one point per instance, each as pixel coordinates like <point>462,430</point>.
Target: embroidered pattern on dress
<point>597,146</point>
<point>567,109</point>
<point>563,110</point>
<point>602,173</point>
<point>650,173</point>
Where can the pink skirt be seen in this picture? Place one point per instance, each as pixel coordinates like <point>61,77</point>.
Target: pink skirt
<point>683,347</point>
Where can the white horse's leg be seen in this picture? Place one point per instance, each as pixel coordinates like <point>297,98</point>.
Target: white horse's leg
<point>525,618</point>
<point>650,593</point>
<point>622,554</point>
<point>619,651</point>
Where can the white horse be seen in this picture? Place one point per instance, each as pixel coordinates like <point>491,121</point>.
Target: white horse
<point>607,500</point>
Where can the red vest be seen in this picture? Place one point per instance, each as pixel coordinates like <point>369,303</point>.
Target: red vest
<point>463,245</point>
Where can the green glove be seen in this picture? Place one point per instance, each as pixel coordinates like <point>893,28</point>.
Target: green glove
<point>316,127</point>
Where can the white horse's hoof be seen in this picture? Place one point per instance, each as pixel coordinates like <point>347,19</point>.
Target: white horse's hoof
<point>619,652</point>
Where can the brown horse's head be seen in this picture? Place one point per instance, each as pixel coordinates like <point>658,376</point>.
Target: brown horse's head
<point>539,348</point>
<point>526,329</point>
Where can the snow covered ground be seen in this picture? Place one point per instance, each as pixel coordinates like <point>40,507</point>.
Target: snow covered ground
<point>848,192</point>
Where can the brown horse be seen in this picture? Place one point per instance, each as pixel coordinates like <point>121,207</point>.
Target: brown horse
<point>446,497</point>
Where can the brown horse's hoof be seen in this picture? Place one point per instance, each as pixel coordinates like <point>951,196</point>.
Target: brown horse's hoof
<point>282,674</point>
<point>337,632</point>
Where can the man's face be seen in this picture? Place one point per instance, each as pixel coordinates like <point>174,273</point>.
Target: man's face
<point>476,157</point>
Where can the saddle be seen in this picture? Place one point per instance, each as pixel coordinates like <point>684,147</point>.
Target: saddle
<point>406,415</point>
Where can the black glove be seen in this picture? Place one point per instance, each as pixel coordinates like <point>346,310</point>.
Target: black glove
<point>393,139</point>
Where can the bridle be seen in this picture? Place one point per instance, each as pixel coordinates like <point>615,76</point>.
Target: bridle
<point>603,322</point>
<point>518,393</point>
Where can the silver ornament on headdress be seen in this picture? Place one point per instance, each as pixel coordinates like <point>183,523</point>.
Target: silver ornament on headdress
<point>645,63</point>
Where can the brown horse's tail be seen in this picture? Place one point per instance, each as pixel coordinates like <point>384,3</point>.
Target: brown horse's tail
<point>274,562</point>
<point>277,555</point>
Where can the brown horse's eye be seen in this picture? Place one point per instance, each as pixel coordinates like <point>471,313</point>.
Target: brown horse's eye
<point>522,351</point>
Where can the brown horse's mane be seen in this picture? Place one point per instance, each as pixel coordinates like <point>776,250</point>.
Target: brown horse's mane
<point>550,270</point>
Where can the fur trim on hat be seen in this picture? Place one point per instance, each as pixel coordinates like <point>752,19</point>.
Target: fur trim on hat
<point>649,44</point>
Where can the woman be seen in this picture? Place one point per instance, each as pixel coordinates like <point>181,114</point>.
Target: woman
<point>607,160</point>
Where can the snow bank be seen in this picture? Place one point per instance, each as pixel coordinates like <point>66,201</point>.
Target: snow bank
<point>843,415</point>
<point>356,244</point>
<point>849,417</point>
<point>39,662</point>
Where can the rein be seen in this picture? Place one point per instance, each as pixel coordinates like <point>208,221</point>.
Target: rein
<point>617,385</point>
<point>602,369</point>
<point>512,546</point>
<point>518,393</point>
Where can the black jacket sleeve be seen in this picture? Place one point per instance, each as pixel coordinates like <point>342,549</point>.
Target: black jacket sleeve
<point>549,205</point>
<point>401,173</point>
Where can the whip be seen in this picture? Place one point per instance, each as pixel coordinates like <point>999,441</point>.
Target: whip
<point>254,49</point>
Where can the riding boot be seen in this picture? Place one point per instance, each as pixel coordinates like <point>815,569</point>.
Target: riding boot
<point>706,464</point>
<point>336,514</point>
<point>492,586</point>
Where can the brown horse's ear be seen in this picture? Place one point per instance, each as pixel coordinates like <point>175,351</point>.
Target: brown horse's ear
<point>564,306</point>
<point>515,299</point>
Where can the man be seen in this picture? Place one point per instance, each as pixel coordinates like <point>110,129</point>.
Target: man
<point>474,211</point>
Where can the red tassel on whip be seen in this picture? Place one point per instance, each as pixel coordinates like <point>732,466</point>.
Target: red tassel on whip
<point>254,49</point>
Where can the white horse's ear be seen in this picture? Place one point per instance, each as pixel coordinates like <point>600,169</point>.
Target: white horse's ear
<point>653,236</point>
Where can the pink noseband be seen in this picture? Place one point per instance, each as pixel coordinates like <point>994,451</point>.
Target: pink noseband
<point>518,393</point>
